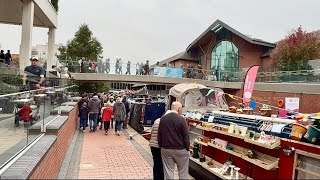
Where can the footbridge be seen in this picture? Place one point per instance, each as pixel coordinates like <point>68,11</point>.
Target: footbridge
<point>149,79</point>
<point>309,88</point>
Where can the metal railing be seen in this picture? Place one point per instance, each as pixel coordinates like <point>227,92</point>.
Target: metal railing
<point>231,75</point>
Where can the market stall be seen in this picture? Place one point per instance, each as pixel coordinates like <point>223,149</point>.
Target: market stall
<point>234,145</point>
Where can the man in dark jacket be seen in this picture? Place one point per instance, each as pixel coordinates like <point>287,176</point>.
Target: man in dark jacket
<point>83,115</point>
<point>126,105</point>
<point>2,56</point>
<point>173,139</point>
<point>8,58</point>
<point>94,107</point>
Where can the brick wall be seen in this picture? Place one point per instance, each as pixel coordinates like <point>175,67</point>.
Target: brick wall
<point>50,166</point>
<point>308,103</point>
<point>249,53</point>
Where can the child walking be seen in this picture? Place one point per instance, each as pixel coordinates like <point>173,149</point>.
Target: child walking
<point>83,114</point>
<point>106,117</point>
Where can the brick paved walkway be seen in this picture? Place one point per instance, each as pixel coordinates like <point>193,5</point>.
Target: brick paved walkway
<point>111,157</point>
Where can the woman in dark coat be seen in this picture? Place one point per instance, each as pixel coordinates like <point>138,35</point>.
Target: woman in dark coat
<point>119,112</point>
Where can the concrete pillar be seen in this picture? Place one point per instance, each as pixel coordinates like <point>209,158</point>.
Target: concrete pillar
<point>51,47</point>
<point>26,36</point>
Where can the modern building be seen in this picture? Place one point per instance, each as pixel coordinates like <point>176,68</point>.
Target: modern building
<point>30,13</point>
<point>221,45</point>
<point>41,51</point>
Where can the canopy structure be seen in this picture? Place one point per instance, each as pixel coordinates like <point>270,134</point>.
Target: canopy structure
<point>178,90</point>
<point>29,13</point>
<point>195,96</point>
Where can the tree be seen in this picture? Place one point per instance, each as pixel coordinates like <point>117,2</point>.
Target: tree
<point>295,50</point>
<point>63,53</point>
<point>84,45</point>
<point>90,87</point>
<point>55,4</point>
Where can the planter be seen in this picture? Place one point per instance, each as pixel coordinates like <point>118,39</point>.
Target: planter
<point>312,134</point>
<point>298,131</point>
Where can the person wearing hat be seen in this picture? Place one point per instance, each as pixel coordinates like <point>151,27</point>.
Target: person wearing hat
<point>111,102</point>
<point>33,74</point>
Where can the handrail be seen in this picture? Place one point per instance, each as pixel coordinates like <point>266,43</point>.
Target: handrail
<point>14,158</point>
<point>36,90</point>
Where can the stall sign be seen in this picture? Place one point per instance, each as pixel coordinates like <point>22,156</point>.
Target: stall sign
<point>174,72</point>
<point>292,103</point>
<point>159,71</point>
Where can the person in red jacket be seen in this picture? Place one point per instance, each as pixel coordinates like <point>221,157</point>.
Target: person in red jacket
<point>107,113</point>
<point>25,112</point>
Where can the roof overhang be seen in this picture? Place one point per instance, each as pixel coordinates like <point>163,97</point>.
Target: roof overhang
<point>44,13</point>
<point>218,26</point>
<point>183,55</point>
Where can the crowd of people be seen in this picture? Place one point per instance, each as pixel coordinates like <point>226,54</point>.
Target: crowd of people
<point>102,111</point>
<point>105,67</point>
<point>169,141</point>
<point>5,57</point>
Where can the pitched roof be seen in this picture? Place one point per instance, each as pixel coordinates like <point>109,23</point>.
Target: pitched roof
<point>182,55</point>
<point>217,25</point>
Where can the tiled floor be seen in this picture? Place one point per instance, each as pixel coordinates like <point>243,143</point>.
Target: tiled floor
<point>111,157</point>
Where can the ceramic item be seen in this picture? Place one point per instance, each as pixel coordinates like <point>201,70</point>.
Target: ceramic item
<point>248,111</point>
<point>198,116</point>
<point>237,169</point>
<point>232,109</point>
<point>220,142</point>
<point>243,130</point>
<point>205,139</point>
<point>237,129</point>
<point>231,170</point>
<point>239,111</point>
<point>210,164</point>
<point>231,128</point>
<point>265,112</point>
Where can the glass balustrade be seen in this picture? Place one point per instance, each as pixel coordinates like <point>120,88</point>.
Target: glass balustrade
<point>23,111</point>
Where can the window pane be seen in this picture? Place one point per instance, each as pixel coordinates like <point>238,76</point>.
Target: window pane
<point>225,55</point>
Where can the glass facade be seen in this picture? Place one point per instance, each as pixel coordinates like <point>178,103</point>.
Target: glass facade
<point>225,55</point>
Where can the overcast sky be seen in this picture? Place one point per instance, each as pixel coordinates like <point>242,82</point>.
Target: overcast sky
<point>157,29</point>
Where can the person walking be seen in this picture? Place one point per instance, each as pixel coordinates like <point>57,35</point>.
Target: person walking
<point>120,66</point>
<point>137,68</point>
<point>83,115</point>
<point>128,67</point>
<point>119,112</point>
<point>173,139</point>
<point>107,113</point>
<point>8,58</point>
<point>107,66</point>
<point>117,66</point>
<point>126,105</point>
<point>94,107</point>
<point>217,72</point>
<point>111,102</point>
<point>2,56</point>
<point>156,151</point>
<point>141,68</point>
<point>146,68</point>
